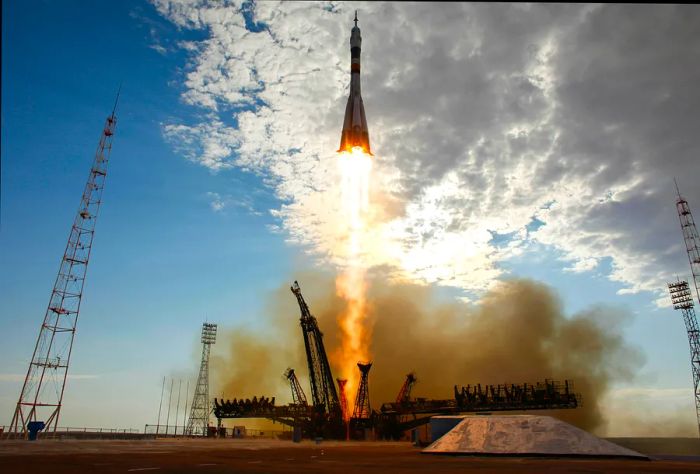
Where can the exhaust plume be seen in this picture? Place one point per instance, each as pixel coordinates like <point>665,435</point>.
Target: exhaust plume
<point>518,333</point>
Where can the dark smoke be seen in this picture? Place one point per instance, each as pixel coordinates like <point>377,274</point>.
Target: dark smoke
<point>518,333</point>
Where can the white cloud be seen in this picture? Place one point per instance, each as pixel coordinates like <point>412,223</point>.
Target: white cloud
<point>577,116</point>
<point>216,203</point>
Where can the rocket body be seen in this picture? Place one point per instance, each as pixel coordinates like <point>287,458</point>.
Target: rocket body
<point>355,132</point>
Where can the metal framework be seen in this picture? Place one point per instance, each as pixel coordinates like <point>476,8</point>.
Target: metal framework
<point>323,393</point>
<point>404,395</point>
<point>343,397</point>
<point>362,410</point>
<point>201,407</point>
<point>682,300</point>
<point>41,397</point>
<point>298,395</point>
<point>691,239</point>
<point>395,418</point>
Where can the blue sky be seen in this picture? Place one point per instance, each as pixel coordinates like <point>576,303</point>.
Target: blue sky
<point>165,259</point>
<point>58,86</point>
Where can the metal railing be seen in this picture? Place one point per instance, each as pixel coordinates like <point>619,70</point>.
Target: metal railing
<point>164,430</point>
<point>73,431</point>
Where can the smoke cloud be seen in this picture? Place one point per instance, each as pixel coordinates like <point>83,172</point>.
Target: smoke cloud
<point>517,333</point>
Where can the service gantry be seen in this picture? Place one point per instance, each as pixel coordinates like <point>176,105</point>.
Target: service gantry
<point>298,395</point>
<point>201,407</point>
<point>404,395</point>
<point>393,418</point>
<point>323,393</point>
<point>42,392</point>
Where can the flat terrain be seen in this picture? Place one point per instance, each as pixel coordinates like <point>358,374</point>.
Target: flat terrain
<point>270,456</point>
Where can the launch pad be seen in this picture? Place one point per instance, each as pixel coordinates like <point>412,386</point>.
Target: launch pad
<point>327,416</point>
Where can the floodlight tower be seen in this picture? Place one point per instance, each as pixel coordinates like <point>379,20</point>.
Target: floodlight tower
<point>201,406</point>
<point>682,299</point>
<point>41,397</point>
<point>691,239</point>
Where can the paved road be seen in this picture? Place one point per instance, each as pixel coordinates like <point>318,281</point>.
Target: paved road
<point>266,456</point>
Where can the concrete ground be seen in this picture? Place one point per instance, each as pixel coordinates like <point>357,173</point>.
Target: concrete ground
<point>271,456</point>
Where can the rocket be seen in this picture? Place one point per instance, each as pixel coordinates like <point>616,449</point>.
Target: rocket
<point>355,132</point>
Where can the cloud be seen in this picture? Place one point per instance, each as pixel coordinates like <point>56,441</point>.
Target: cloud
<point>219,203</point>
<point>572,116</point>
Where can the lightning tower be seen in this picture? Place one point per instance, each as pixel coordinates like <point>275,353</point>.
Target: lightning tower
<point>41,397</point>
<point>201,406</point>
<point>681,295</point>
<point>682,300</point>
<point>691,239</point>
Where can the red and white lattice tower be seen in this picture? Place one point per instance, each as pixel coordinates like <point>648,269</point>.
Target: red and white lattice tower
<point>343,398</point>
<point>42,392</point>
<point>691,238</point>
<point>681,294</point>
<point>682,300</point>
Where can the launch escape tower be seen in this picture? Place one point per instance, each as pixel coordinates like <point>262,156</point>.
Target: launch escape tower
<point>323,393</point>
<point>41,397</point>
<point>682,300</point>
<point>201,407</point>
<point>681,294</point>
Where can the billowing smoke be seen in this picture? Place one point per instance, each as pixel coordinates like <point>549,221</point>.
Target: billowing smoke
<point>517,333</point>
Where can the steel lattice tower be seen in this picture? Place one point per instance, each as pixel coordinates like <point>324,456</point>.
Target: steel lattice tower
<point>404,395</point>
<point>343,398</point>
<point>691,239</point>
<point>362,409</point>
<point>323,393</point>
<point>298,396</point>
<point>682,300</point>
<point>41,397</point>
<point>201,406</point>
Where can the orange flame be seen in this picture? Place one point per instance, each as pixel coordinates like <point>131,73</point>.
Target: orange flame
<point>350,284</point>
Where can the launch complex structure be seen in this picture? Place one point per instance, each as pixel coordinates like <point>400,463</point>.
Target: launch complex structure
<point>327,414</point>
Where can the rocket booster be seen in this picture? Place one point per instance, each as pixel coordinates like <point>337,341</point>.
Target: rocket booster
<point>355,132</point>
